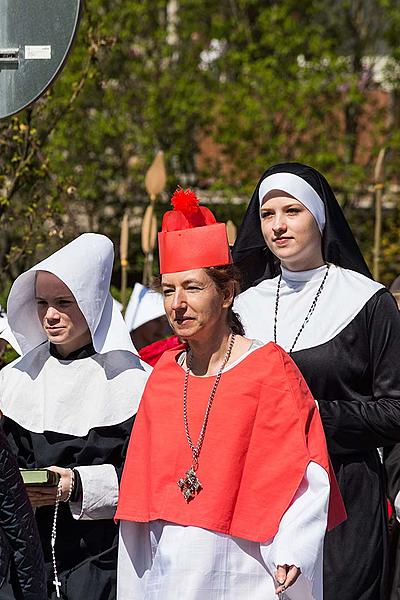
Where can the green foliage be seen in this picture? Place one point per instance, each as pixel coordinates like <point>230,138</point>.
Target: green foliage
<point>9,355</point>
<point>266,81</point>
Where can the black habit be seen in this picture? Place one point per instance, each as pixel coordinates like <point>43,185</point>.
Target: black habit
<point>354,376</point>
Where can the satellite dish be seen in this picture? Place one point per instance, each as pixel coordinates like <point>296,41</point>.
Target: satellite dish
<point>35,39</point>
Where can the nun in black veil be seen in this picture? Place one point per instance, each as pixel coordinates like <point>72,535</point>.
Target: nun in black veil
<point>310,290</point>
<point>392,467</point>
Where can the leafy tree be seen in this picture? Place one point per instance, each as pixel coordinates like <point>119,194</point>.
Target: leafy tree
<point>266,81</point>
<point>132,85</point>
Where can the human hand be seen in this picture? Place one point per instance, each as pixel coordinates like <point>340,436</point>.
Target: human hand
<point>286,576</point>
<point>46,496</point>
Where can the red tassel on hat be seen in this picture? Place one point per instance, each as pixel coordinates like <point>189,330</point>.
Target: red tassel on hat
<point>187,213</point>
<point>185,200</point>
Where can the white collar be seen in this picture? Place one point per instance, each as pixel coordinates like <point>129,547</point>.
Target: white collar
<point>303,275</point>
<point>42,393</point>
<point>344,294</point>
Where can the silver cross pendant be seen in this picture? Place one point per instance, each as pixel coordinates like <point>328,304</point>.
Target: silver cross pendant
<point>189,485</point>
<point>57,584</point>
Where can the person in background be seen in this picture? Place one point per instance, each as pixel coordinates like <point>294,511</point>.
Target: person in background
<point>7,338</point>
<point>391,458</point>
<point>395,290</point>
<point>145,317</point>
<point>68,404</point>
<point>20,547</point>
<point>148,324</point>
<point>227,482</point>
<point>314,296</point>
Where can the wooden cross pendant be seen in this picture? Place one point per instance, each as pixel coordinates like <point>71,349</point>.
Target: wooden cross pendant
<point>189,485</point>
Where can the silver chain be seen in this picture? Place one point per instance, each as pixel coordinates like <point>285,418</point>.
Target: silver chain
<point>56,581</point>
<point>310,312</point>
<point>197,448</point>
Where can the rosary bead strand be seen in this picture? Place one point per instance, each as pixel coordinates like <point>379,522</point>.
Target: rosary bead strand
<point>56,581</point>
<point>71,485</point>
<point>310,311</point>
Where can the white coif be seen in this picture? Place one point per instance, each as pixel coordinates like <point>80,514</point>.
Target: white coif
<point>298,188</point>
<point>85,266</point>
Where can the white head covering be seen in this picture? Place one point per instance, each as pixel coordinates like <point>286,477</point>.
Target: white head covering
<point>85,266</point>
<point>300,189</point>
<point>144,305</point>
<point>7,334</point>
<point>118,304</point>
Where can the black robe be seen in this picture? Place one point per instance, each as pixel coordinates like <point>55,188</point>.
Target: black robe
<point>20,548</point>
<point>356,380</point>
<point>86,550</point>
<point>392,467</point>
<point>352,378</point>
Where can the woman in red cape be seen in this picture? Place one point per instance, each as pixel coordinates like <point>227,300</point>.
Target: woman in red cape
<point>227,490</point>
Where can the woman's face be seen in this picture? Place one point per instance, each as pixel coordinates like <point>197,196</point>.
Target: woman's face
<point>59,314</point>
<point>193,304</point>
<point>290,231</point>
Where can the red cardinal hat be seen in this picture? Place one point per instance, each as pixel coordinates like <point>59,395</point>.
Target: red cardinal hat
<point>191,238</point>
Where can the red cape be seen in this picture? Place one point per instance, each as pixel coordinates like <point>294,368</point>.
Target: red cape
<point>263,431</point>
<point>153,352</point>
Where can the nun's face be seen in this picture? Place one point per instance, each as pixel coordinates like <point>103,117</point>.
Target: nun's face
<point>290,232</point>
<point>59,314</point>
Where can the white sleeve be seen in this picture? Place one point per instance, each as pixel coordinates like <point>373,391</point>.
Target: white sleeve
<point>301,533</point>
<point>397,506</point>
<point>135,559</point>
<point>100,489</point>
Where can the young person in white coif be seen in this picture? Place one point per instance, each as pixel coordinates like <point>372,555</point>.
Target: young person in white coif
<point>69,404</point>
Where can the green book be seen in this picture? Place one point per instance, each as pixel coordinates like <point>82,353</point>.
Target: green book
<point>39,477</point>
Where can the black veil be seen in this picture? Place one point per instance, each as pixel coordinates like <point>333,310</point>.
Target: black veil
<point>339,246</point>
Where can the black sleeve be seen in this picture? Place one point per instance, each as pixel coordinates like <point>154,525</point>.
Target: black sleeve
<point>77,492</point>
<point>19,527</point>
<point>127,429</point>
<point>120,449</point>
<point>365,425</point>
